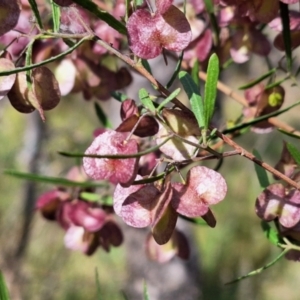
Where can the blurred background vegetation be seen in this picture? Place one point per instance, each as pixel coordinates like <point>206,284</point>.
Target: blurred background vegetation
<point>46,270</point>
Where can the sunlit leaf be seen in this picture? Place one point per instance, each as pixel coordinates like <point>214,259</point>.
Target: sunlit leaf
<point>210,90</point>
<point>55,16</point>
<point>173,95</point>
<point>145,99</point>
<point>271,234</point>
<point>145,291</point>
<point>3,289</point>
<point>193,93</point>
<point>294,152</point>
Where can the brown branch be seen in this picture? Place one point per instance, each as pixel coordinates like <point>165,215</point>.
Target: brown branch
<point>251,157</point>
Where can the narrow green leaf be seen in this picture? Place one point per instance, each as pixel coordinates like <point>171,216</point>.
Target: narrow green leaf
<point>193,94</point>
<point>51,59</point>
<point>261,172</point>
<point>102,116</point>
<point>258,271</point>
<point>96,197</point>
<point>116,156</point>
<point>146,65</point>
<point>36,13</point>
<point>286,32</point>
<point>93,197</point>
<point>145,99</point>
<point>289,133</point>
<point>259,119</point>
<point>271,85</point>
<point>257,80</point>
<point>196,221</point>
<point>52,180</point>
<point>119,96</point>
<point>99,293</point>
<point>55,16</point>
<point>173,95</point>
<point>271,234</point>
<point>195,73</point>
<point>4,295</point>
<point>294,152</point>
<point>210,90</point>
<point>102,15</point>
<point>176,71</point>
<point>145,291</point>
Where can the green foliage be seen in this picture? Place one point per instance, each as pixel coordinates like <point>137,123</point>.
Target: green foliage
<point>102,116</point>
<point>294,152</point>
<point>52,180</point>
<point>210,90</point>
<point>271,234</point>
<point>193,93</point>
<point>3,289</point>
<point>55,16</point>
<point>258,80</point>
<point>146,101</point>
<point>102,15</point>
<point>261,173</point>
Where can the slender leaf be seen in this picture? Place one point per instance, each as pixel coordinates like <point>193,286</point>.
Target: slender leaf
<point>102,116</point>
<point>99,293</point>
<point>119,96</point>
<point>55,16</point>
<point>210,90</point>
<point>145,99</point>
<point>259,119</point>
<point>271,85</point>
<point>173,95</point>
<point>116,156</point>
<point>37,15</point>
<point>289,133</point>
<point>44,62</point>
<point>271,234</point>
<point>258,271</point>
<point>257,80</point>
<point>294,152</point>
<point>145,291</point>
<point>193,94</point>
<point>102,15</point>
<point>195,73</point>
<point>286,32</point>
<point>4,295</point>
<point>146,65</point>
<point>261,172</point>
<point>176,71</point>
<point>52,180</point>
<point>196,221</point>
